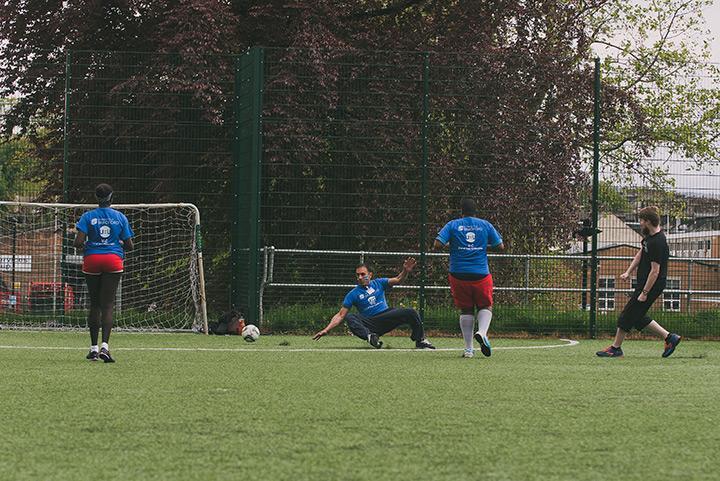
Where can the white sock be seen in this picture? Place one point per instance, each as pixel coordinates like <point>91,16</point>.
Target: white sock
<point>94,348</point>
<point>484,316</point>
<point>466,326</point>
<point>105,346</point>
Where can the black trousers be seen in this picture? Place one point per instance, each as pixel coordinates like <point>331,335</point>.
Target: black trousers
<point>635,313</point>
<point>385,322</point>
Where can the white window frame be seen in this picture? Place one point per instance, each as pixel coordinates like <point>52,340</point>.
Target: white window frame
<point>672,302</point>
<point>606,299</point>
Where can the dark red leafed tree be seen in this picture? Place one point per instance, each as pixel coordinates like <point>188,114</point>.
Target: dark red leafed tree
<point>509,109</point>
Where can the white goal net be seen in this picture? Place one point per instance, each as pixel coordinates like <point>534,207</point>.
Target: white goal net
<point>41,279</point>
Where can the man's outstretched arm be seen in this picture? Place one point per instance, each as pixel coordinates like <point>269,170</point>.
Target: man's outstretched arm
<point>498,247</point>
<point>334,322</point>
<point>633,265</point>
<point>408,266</point>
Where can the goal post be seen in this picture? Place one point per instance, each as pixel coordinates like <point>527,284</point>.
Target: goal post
<point>41,280</point>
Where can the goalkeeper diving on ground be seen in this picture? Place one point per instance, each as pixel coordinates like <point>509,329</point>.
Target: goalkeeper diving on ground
<point>374,317</point>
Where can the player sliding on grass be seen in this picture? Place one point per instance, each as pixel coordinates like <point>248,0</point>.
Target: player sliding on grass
<point>651,262</point>
<point>471,284</point>
<point>375,318</point>
<point>105,235</point>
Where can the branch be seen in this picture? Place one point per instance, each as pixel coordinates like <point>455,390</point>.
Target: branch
<point>592,7</point>
<point>644,173</point>
<point>663,39</point>
<point>620,144</point>
<point>612,45</point>
<point>392,9</point>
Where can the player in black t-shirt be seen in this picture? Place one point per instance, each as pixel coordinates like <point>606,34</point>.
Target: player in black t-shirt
<point>651,262</point>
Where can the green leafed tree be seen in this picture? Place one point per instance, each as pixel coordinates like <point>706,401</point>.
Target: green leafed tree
<point>661,94</point>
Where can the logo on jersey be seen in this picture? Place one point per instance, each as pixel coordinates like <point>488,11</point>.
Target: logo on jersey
<point>470,237</point>
<point>105,232</point>
<point>372,300</point>
<point>93,221</point>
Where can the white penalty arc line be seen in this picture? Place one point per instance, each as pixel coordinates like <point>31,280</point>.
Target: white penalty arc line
<point>568,343</point>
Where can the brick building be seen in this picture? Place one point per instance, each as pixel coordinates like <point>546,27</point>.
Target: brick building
<point>692,267</point>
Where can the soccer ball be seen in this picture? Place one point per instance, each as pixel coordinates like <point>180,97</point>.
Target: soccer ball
<point>250,333</point>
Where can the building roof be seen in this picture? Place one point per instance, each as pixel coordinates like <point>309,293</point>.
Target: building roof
<point>615,232</point>
<point>694,235</point>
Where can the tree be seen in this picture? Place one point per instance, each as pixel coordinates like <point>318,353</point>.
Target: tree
<point>510,116</point>
<point>661,89</point>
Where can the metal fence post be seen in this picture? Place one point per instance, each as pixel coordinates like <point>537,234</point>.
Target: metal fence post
<point>247,152</point>
<point>66,181</point>
<point>423,184</point>
<point>66,129</point>
<point>595,192</point>
<point>258,60</point>
<point>689,285</point>
<point>236,233</point>
<point>527,278</point>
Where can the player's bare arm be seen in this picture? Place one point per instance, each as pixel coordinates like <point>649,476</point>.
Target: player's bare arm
<point>408,266</point>
<point>499,247</point>
<point>79,241</point>
<point>437,245</point>
<point>633,265</point>
<point>334,322</point>
<point>652,277</point>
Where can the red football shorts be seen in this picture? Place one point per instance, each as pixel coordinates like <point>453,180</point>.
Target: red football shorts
<point>470,294</point>
<point>96,264</point>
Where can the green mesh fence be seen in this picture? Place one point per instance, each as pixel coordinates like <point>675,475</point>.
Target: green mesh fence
<point>304,163</point>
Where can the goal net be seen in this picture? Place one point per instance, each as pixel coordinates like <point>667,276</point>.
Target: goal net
<point>41,279</point>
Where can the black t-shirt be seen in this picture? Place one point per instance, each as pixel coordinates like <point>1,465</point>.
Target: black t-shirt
<point>654,249</point>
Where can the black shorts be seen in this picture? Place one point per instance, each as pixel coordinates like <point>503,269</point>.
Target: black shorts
<point>635,313</point>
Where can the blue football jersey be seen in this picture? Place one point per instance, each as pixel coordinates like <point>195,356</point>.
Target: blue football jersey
<point>369,300</point>
<point>105,228</point>
<point>469,239</point>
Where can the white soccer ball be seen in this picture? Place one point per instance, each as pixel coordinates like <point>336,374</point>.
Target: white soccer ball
<point>250,333</point>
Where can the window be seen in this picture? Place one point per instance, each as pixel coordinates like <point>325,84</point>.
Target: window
<point>606,299</point>
<point>708,244</point>
<point>671,300</point>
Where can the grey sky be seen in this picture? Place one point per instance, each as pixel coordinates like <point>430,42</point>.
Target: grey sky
<point>712,16</point>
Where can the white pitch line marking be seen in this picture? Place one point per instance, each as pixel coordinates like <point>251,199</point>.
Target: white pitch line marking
<point>568,343</point>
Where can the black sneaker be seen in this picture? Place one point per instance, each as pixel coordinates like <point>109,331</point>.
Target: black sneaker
<point>105,355</point>
<point>92,356</point>
<point>374,340</point>
<point>424,344</point>
<point>484,344</point>
<point>671,343</point>
<point>610,351</point>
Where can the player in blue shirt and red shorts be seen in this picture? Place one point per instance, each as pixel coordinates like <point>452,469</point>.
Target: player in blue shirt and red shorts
<point>105,235</point>
<point>375,317</point>
<point>470,281</point>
